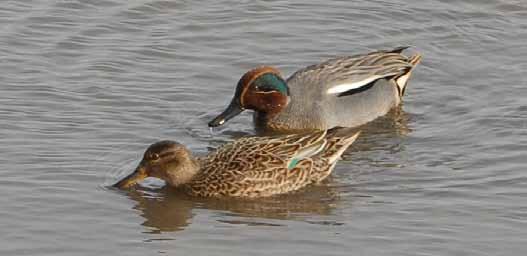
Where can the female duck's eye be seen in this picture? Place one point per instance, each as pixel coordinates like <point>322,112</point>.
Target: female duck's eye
<point>154,156</point>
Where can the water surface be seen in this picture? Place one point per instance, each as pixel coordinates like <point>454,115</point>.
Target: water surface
<point>86,86</point>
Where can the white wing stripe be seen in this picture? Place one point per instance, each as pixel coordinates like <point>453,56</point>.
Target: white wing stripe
<point>340,88</point>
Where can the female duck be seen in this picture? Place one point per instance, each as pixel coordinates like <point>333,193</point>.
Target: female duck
<point>247,167</point>
<point>345,91</point>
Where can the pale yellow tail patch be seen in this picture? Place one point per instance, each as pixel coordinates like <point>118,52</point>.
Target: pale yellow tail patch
<point>403,80</point>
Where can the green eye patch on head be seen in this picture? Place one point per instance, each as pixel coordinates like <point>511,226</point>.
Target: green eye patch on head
<point>271,82</point>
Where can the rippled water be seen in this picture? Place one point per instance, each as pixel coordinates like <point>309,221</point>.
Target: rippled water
<point>86,86</point>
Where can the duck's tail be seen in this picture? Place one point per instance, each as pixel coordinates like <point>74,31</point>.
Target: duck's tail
<point>402,80</point>
<point>338,140</point>
<point>338,143</point>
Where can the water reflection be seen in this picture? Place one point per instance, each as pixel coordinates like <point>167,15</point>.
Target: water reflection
<point>383,133</point>
<point>168,210</point>
<point>380,148</point>
<point>163,210</point>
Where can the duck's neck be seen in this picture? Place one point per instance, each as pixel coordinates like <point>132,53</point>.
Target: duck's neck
<point>271,108</point>
<point>184,172</point>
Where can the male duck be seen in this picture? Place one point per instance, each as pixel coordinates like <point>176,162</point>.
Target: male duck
<point>247,167</point>
<point>344,91</point>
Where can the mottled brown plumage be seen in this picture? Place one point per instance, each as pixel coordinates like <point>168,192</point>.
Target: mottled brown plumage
<point>247,167</point>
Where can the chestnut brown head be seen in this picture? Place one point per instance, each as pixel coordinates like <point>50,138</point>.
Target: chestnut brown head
<point>262,89</point>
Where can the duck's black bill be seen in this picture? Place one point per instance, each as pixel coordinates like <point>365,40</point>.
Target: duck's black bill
<point>232,110</point>
<point>132,179</point>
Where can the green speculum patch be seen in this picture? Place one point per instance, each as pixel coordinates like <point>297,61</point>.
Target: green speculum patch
<point>292,163</point>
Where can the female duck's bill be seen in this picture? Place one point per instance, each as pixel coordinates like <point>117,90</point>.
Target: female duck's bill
<point>132,179</point>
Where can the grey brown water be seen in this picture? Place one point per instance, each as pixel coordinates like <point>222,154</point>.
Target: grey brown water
<point>86,86</point>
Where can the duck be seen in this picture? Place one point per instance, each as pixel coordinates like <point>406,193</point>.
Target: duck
<point>340,92</point>
<point>248,167</point>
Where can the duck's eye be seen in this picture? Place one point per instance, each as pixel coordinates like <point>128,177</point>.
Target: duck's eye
<point>265,88</point>
<point>154,156</point>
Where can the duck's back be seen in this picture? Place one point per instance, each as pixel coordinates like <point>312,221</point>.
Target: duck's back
<point>265,166</point>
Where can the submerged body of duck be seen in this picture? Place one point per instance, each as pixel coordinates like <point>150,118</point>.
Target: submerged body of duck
<point>344,91</point>
<point>247,167</point>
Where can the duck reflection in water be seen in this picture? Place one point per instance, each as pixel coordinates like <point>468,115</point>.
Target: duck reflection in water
<point>384,136</point>
<point>169,210</point>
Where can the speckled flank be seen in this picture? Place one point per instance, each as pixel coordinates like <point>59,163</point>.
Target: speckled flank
<point>257,166</point>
